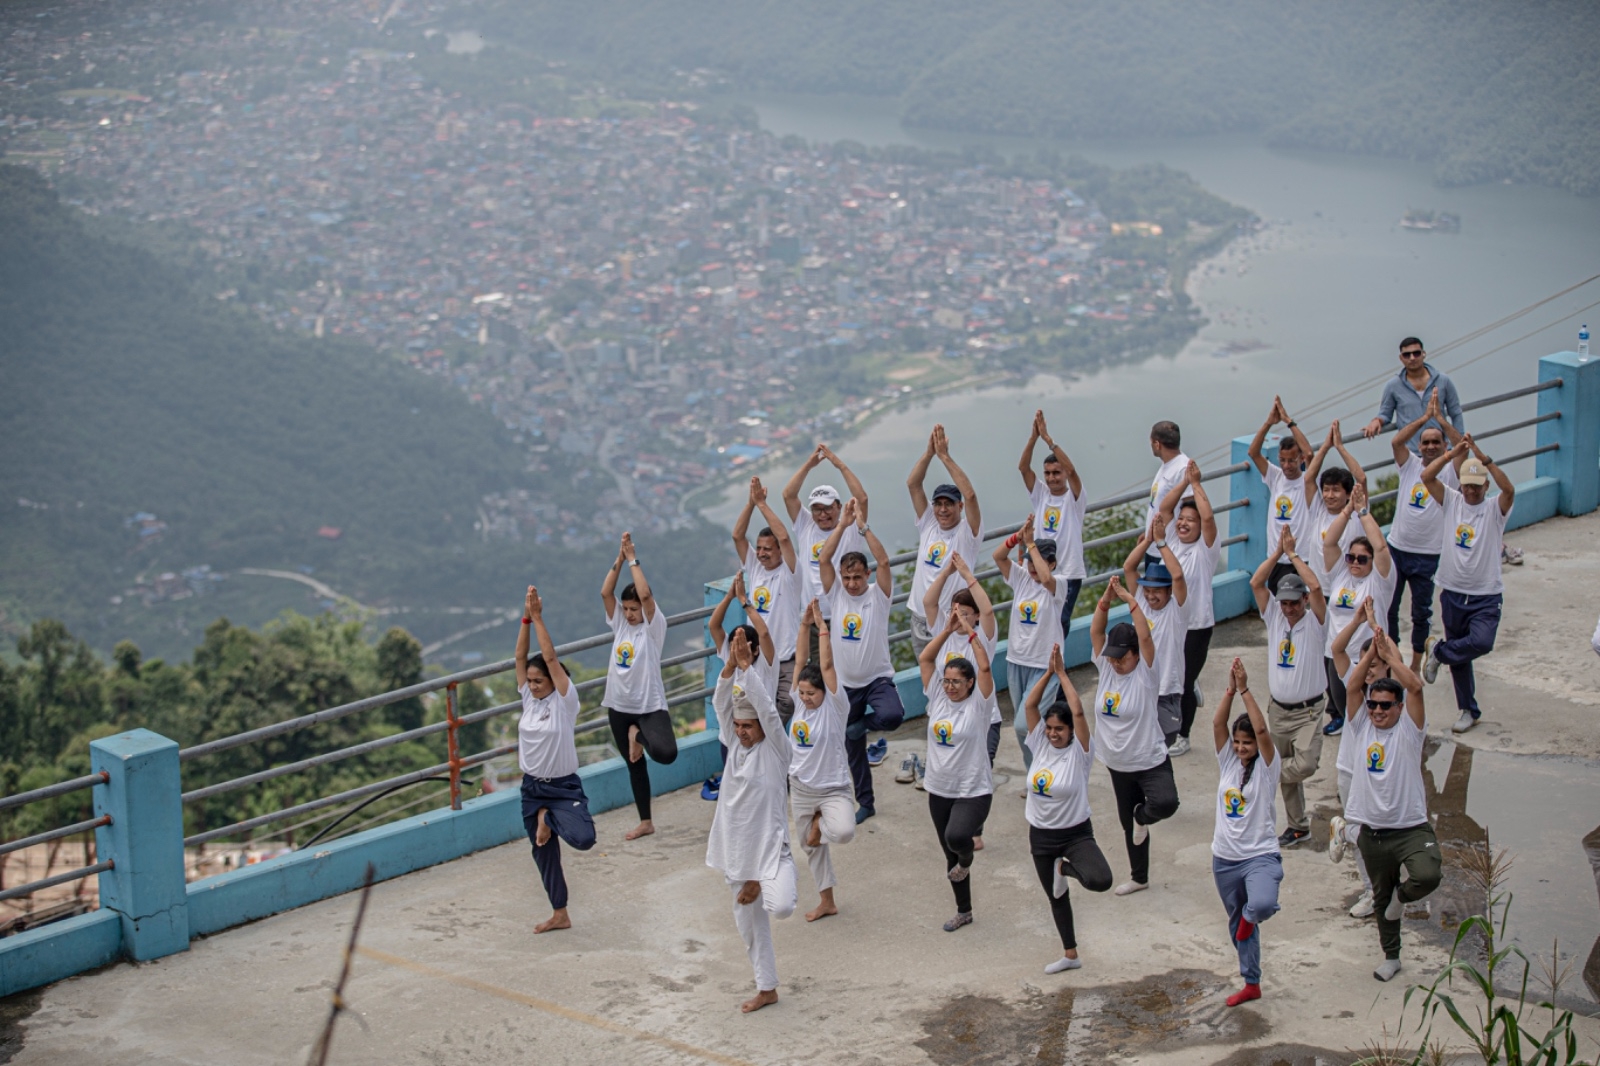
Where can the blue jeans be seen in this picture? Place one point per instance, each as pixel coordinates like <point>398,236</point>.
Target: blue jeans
<point>567,814</point>
<point>1020,681</point>
<point>886,712</point>
<point>1074,586</point>
<point>1470,625</point>
<point>1415,571</point>
<point>1249,890</point>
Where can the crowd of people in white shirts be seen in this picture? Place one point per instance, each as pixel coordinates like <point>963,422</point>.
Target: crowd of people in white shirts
<point>808,675</point>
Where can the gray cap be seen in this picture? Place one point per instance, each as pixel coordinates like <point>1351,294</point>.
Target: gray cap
<point>1292,588</point>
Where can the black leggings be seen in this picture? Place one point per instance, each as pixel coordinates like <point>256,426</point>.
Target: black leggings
<point>659,742</point>
<point>1150,796</point>
<point>1074,845</point>
<point>1196,646</point>
<point>957,821</point>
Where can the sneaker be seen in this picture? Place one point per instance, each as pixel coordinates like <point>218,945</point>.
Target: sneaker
<point>1511,556</point>
<point>1334,727</point>
<point>1336,842</point>
<point>1293,838</point>
<point>922,774</point>
<point>908,770</point>
<point>711,787</point>
<point>1430,663</point>
<point>1179,746</point>
<point>1363,907</point>
<point>1464,723</point>
<point>961,918</point>
<point>863,813</point>
<point>878,751</point>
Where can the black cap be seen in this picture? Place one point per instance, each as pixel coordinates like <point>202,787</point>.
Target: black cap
<point>948,492</point>
<point>1122,639</point>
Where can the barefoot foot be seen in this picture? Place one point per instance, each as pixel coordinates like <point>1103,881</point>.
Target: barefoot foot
<point>643,829</point>
<point>635,749</point>
<point>977,843</point>
<point>814,834</point>
<point>541,835</point>
<point>824,906</point>
<point>558,920</point>
<point>762,999</point>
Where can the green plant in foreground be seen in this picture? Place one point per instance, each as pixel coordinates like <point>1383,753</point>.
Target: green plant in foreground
<point>1502,1030</point>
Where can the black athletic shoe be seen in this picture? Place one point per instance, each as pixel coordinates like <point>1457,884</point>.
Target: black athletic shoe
<point>1293,838</point>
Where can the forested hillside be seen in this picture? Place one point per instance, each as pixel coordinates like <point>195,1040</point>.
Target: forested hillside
<point>1484,89</point>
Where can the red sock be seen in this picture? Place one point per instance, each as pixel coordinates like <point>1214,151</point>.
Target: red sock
<point>1246,927</point>
<point>1245,995</point>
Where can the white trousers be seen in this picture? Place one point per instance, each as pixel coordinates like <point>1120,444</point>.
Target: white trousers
<point>838,811</point>
<point>777,899</point>
<point>1352,830</point>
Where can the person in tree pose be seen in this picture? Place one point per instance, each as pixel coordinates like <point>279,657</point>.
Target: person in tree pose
<point>635,698</point>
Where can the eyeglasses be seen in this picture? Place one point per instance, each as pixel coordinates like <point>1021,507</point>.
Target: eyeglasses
<point>1357,560</point>
<point>1415,354</point>
<point>952,682</point>
<point>1380,705</point>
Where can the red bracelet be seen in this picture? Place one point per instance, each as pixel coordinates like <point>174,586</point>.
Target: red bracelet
<point>1012,541</point>
<point>527,621</point>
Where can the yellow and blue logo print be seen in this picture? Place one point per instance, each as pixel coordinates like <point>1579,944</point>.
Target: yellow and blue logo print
<point>1283,508</point>
<point>1233,803</point>
<point>816,553</point>
<point>936,554</point>
<point>801,732</point>
<point>1419,497</point>
<point>1346,600</point>
<point>944,733</point>
<point>1155,486</point>
<point>1041,781</point>
<point>1052,519</point>
<point>1465,535</point>
<point>761,598</point>
<point>625,656</point>
<point>951,656</point>
<point>851,627</point>
<point>1286,653</point>
<point>1028,612</point>
<point>1110,704</point>
<point>1377,758</point>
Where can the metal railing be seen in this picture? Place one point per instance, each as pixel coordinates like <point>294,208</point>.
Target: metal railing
<point>455,763</point>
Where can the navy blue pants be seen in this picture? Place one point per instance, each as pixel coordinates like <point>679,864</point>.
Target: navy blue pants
<point>567,814</point>
<point>1415,571</point>
<point>875,705</point>
<point>1470,625</point>
<point>1074,586</point>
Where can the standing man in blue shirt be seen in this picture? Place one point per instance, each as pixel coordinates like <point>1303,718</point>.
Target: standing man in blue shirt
<point>1405,397</point>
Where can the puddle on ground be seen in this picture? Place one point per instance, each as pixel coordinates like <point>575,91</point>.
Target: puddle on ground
<point>1287,1055</point>
<point>1541,810</point>
<point>14,1011</point>
<point>1084,1025</point>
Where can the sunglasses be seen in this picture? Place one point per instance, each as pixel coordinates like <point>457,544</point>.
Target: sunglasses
<point>1355,560</point>
<point>1412,355</point>
<point>1380,705</point>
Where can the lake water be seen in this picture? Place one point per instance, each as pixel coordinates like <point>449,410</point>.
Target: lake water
<point>1322,295</point>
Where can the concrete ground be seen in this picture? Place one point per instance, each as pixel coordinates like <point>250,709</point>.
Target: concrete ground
<point>449,971</point>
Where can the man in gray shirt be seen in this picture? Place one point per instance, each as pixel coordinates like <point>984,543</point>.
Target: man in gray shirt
<point>1405,397</point>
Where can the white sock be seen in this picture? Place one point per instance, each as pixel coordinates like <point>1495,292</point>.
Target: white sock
<point>1387,971</point>
<point>1128,888</point>
<point>1396,908</point>
<point>1141,832</point>
<point>1058,884</point>
<point>1062,964</point>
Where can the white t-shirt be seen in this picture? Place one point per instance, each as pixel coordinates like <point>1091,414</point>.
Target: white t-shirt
<point>958,743</point>
<point>1058,782</point>
<point>1199,563</point>
<point>1035,618</point>
<point>1344,593</point>
<point>1418,519</point>
<point>775,596</point>
<point>1247,823</point>
<point>1469,559</point>
<point>1295,673</point>
<point>1311,551</point>
<point>1172,471</point>
<point>633,679</point>
<point>1386,791</point>
<point>545,745</point>
<point>1286,506</point>
<point>816,743</point>
<point>1127,736</point>
<point>1346,762</point>
<point>934,548</point>
<point>957,646</point>
<point>1167,628</point>
<point>1060,518</point>
<point>808,541</point>
<point>759,668</point>
<point>860,634</point>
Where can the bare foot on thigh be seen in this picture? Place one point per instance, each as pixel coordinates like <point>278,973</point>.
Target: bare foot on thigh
<point>814,834</point>
<point>541,835</point>
<point>977,843</point>
<point>762,999</point>
<point>635,749</point>
<point>824,906</point>
<point>558,920</point>
<point>643,829</point>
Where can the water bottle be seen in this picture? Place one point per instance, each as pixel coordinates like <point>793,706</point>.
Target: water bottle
<point>1583,342</point>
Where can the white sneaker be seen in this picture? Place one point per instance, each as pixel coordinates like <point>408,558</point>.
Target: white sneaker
<point>1363,907</point>
<point>1058,887</point>
<point>1464,723</point>
<point>1430,663</point>
<point>1336,841</point>
<point>1180,746</point>
<point>908,770</point>
<point>1128,888</point>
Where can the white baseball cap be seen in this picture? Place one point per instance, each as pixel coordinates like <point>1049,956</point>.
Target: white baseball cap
<point>826,495</point>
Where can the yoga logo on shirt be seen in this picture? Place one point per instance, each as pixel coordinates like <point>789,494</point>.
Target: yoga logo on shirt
<point>1110,704</point>
<point>625,655</point>
<point>1419,497</point>
<point>816,553</point>
<point>1052,520</point>
<point>1041,781</point>
<point>1346,600</point>
<point>1286,653</point>
<point>936,554</point>
<point>851,628</point>
<point>1155,487</point>
<point>1028,612</point>
<point>1465,535</point>
<point>1376,757</point>
<point>1283,508</point>
<point>761,598</point>
<point>801,732</point>
<point>944,734</point>
<point>1233,803</point>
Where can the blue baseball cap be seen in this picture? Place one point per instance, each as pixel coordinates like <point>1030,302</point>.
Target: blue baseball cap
<point>948,492</point>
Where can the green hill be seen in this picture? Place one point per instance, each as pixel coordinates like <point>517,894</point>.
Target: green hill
<point>1483,89</point>
<point>126,391</point>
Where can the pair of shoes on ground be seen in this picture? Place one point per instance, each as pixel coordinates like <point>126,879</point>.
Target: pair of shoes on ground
<point>1179,746</point>
<point>877,751</point>
<point>1510,556</point>
<point>711,787</point>
<point>911,770</point>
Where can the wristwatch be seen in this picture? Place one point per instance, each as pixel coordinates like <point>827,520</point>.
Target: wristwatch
<point>1162,543</point>
<point>1363,512</point>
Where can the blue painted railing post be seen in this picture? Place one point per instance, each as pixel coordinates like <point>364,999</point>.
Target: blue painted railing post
<point>715,590</point>
<point>1576,466</point>
<point>145,841</point>
<point>1248,521</point>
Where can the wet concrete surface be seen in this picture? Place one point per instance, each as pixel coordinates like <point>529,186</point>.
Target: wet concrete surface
<point>14,1013</point>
